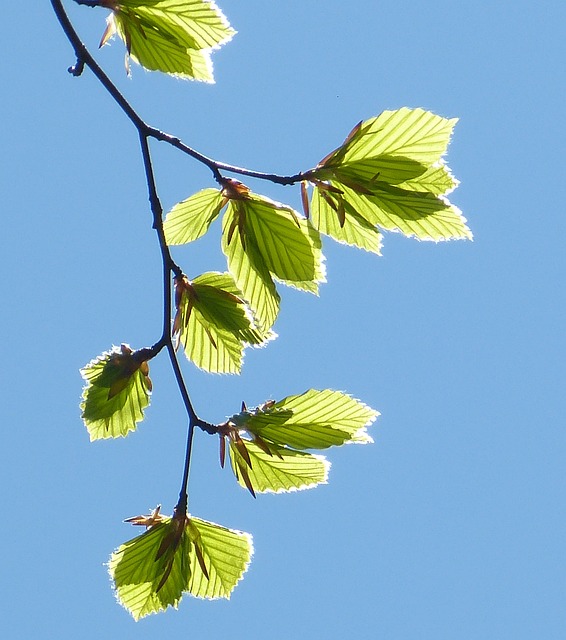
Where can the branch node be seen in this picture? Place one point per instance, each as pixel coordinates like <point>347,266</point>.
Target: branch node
<point>77,69</point>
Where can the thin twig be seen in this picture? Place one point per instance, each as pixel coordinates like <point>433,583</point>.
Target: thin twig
<point>84,57</point>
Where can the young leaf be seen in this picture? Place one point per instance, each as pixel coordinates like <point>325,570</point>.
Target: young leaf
<point>151,572</point>
<point>190,219</point>
<point>353,230</point>
<point>214,323</point>
<point>396,145</point>
<point>389,174</point>
<point>437,180</point>
<point>264,239</point>
<point>168,35</point>
<point>226,553</point>
<point>313,420</point>
<point>175,556</point>
<point>290,248</point>
<point>413,213</point>
<point>250,273</point>
<point>116,393</point>
<point>278,471</point>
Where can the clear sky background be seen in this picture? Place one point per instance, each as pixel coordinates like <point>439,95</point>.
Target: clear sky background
<point>450,526</point>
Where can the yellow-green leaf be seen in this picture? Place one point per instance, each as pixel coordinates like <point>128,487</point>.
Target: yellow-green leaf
<point>190,219</point>
<point>250,273</point>
<point>388,174</point>
<point>311,420</point>
<point>400,140</point>
<point>214,323</point>
<point>175,556</point>
<point>227,554</point>
<point>413,213</point>
<point>345,226</point>
<point>170,36</point>
<point>280,470</point>
<point>116,393</point>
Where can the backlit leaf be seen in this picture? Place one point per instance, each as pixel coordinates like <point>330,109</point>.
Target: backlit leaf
<point>353,229</point>
<point>413,213</point>
<point>280,470</point>
<point>290,248</point>
<point>116,393</point>
<point>170,36</point>
<point>190,219</point>
<point>175,556</point>
<point>146,582</point>
<point>250,273</point>
<point>314,420</point>
<point>388,174</point>
<point>214,323</point>
<point>264,239</point>
<point>227,554</point>
<point>398,141</point>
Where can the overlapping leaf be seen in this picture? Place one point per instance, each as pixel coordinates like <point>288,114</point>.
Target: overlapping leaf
<point>312,420</point>
<point>190,219</point>
<point>388,174</point>
<point>272,468</point>
<point>116,393</point>
<point>169,36</point>
<point>328,215</point>
<point>214,323</point>
<point>264,239</point>
<point>267,443</point>
<point>175,556</point>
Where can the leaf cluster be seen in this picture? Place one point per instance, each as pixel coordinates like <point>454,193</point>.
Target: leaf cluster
<point>388,175</point>
<point>169,36</point>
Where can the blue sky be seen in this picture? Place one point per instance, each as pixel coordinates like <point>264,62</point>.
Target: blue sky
<point>452,524</point>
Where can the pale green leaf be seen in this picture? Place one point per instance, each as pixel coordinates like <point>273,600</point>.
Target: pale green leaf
<point>389,174</point>
<point>437,180</point>
<point>190,219</point>
<point>171,36</point>
<point>227,554</point>
<point>175,556</point>
<point>315,420</point>
<point>334,217</point>
<point>281,470</point>
<point>138,573</point>
<point>290,248</point>
<point>250,273</point>
<point>413,213</point>
<point>116,393</point>
<point>214,323</point>
<point>397,141</point>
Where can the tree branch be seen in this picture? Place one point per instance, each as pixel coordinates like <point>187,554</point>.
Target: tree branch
<point>84,57</point>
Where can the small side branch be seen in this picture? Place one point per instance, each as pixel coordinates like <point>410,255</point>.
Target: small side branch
<point>84,58</point>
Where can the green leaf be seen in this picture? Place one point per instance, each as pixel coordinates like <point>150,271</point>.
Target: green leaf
<point>395,144</point>
<point>226,553</point>
<point>190,219</point>
<point>175,556</point>
<point>290,248</point>
<point>280,470</point>
<point>116,393</point>
<point>214,323</point>
<point>264,239</point>
<point>250,273</point>
<point>437,180</point>
<point>351,229</point>
<point>314,420</point>
<point>413,213</point>
<point>138,569</point>
<point>168,35</point>
<point>388,174</point>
